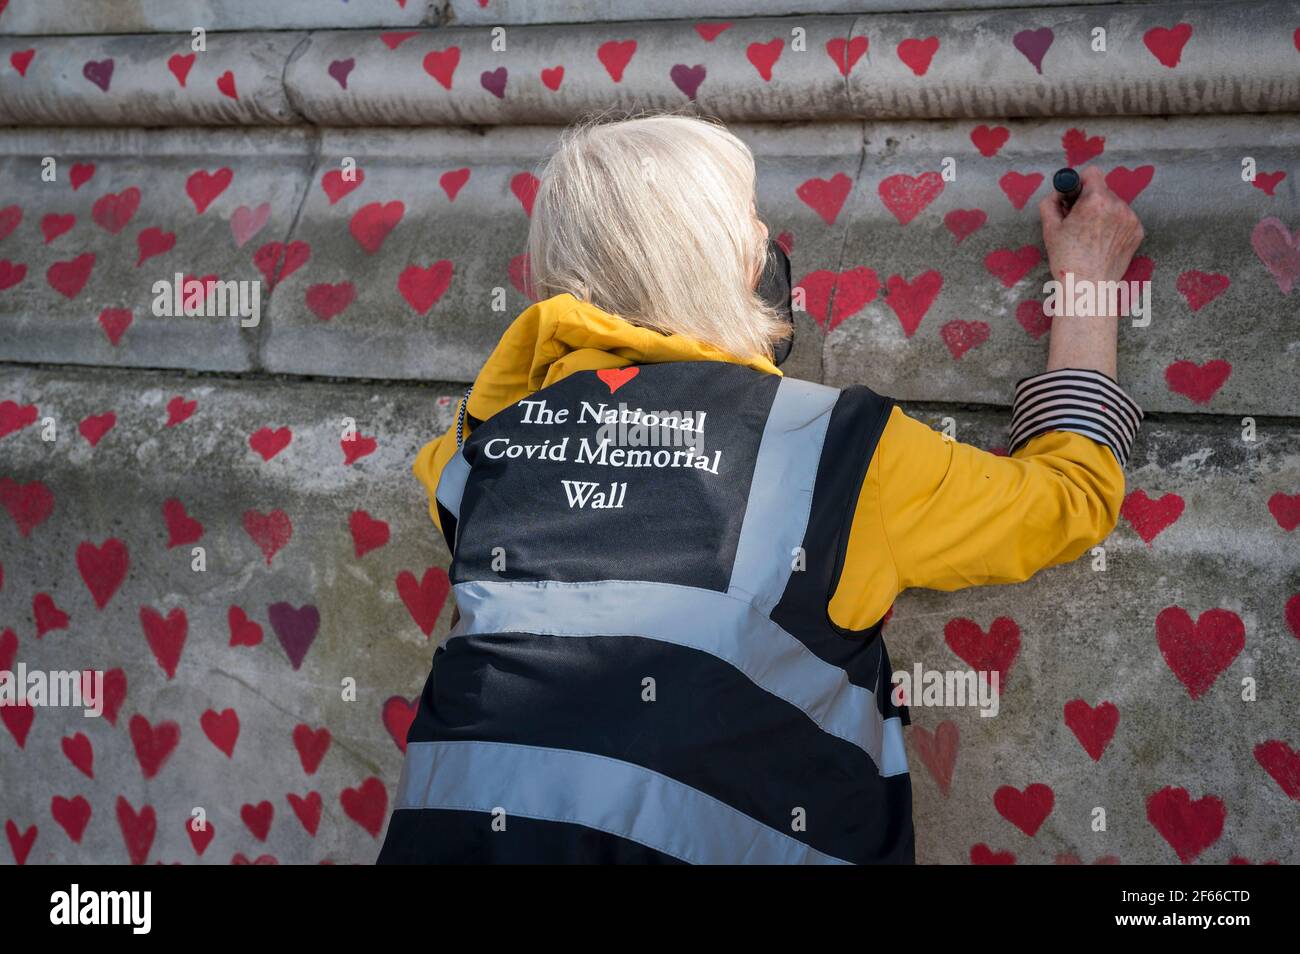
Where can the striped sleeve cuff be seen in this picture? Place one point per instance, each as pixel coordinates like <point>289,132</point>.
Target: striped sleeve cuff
<point>1073,399</point>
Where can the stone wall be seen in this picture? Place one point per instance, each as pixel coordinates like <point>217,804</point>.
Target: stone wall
<point>128,439</point>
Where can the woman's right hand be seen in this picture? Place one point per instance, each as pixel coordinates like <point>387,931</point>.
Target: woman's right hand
<point>1098,237</point>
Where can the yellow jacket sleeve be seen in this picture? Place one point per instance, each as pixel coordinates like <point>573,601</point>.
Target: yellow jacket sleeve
<point>942,515</point>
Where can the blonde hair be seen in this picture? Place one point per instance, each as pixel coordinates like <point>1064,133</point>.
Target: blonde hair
<point>653,219</point>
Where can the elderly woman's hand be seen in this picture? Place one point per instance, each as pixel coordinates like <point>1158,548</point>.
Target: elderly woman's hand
<point>1098,237</point>
<point>1095,242</point>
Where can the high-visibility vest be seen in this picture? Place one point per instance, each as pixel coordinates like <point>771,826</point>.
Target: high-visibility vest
<point>645,669</point>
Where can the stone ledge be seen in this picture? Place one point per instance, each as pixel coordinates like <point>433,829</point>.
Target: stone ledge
<point>750,72</point>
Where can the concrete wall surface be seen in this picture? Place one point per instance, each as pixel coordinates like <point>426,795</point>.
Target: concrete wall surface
<point>269,684</point>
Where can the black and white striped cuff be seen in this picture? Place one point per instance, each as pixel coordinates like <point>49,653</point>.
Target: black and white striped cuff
<point>1073,399</point>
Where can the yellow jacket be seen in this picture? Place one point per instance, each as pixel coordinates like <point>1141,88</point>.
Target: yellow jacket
<point>948,515</point>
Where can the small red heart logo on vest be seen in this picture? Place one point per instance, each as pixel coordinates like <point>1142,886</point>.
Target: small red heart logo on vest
<point>616,377</point>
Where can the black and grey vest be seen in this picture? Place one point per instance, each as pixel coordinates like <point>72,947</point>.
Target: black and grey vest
<point>645,669</point>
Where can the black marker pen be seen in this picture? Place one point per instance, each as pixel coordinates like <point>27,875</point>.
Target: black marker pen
<point>1067,182</point>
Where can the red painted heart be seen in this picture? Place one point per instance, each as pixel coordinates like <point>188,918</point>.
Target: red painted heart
<point>938,751</point>
<point>424,599</point>
<point>1150,517</point>
<point>222,729</point>
<point>986,653</point>
<point>1026,810</point>
<point>825,196</point>
<point>1198,652</point>
<point>181,527</point>
<point>165,636</point>
<point>153,744</point>
<point>102,568</point>
<point>398,714</point>
<point>312,744</point>
<point>1094,727</point>
<point>368,533</point>
<point>367,805</point>
<point>908,196</point>
<point>271,531</point>
<point>138,829</point>
<point>910,302</point>
<point>1188,826</point>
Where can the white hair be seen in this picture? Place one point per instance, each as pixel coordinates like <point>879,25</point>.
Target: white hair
<point>654,219</point>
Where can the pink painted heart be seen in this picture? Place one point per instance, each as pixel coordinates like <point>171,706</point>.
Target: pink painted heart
<point>1026,810</point>
<point>102,568</point>
<point>179,410</point>
<point>11,274</point>
<point>398,714</point>
<point>138,829</point>
<point>336,183</point>
<point>908,196</point>
<point>28,504</point>
<point>982,854</point>
<point>494,81</point>
<point>1151,517</point>
<point>938,751</point>
<point>1198,652</point>
<point>54,225</point>
<point>394,40</point>
<point>1279,249</point>
<point>222,729</point>
<point>424,599</point>
<point>1166,43</point>
<point>963,223</point>
<point>1129,183</point>
<point>115,321</point>
<point>203,187</point>
<point>200,836</point>
<point>295,628</point>
<point>989,139</point>
<point>552,77</point>
<point>917,53</point>
<point>441,65</point>
<point>339,70</point>
<point>180,66</point>
<point>368,533</point>
<point>267,443</point>
<point>154,744</point>
<point>825,196</point>
<point>615,55</point>
<point>1188,826</point>
<point>1094,727</point>
<point>226,85</point>
<point>961,336</point>
<point>1285,509</point>
<point>367,805</point>
<point>14,417</point>
<point>371,224</point>
<point>277,261</point>
<point>1034,44</point>
<point>47,615</point>
<point>525,186</point>
<point>70,277</point>
<point>357,447</point>
<point>307,810</point>
<point>1079,149</point>
<point>911,301</point>
<point>153,241</point>
<point>1200,382</point>
<point>763,56</point>
<point>80,753</point>
<point>246,222</point>
<point>21,59</point>
<point>453,181</point>
<point>1267,182</point>
<point>688,78</point>
<point>20,842</point>
<point>424,287</point>
<point>166,636</point>
<point>329,301</point>
<point>986,653</point>
<point>182,529</point>
<point>1020,187</point>
<point>711,31</point>
<point>1201,288</point>
<point>1282,763</point>
<point>94,427</point>
<point>831,298</point>
<point>258,818</point>
<point>1009,266</point>
<point>80,174</point>
<point>846,53</point>
<point>99,72</point>
<point>270,531</point>
<point>243,631</point>
<point>312,744</point>
<point>1033,317</point>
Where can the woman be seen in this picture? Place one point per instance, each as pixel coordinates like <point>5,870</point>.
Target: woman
<point>671,563</point>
